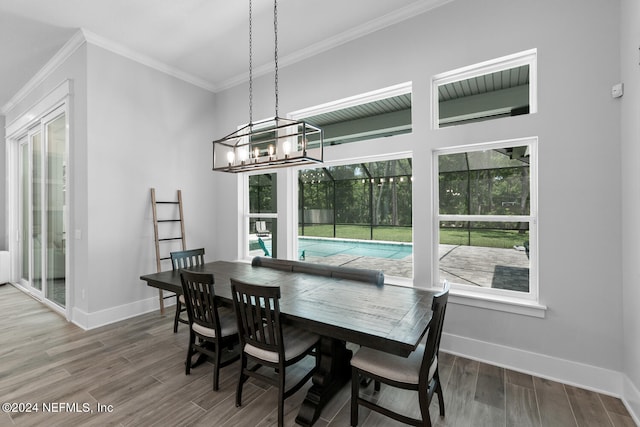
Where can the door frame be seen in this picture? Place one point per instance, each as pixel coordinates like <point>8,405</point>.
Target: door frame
<point>51,106</point>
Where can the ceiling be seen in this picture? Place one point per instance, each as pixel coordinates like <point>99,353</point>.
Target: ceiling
<point>370,109</point>
<point>202,41</point>
<point>504,79</point>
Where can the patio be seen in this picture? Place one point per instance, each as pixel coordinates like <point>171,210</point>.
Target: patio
<point>470,265</point>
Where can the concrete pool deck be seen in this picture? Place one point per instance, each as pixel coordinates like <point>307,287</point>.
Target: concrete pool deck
<point>470,265</point>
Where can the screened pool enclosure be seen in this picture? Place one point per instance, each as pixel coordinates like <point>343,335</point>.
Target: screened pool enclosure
<point>367,201</point>
<point>485,216</point>
<point>358,214</point>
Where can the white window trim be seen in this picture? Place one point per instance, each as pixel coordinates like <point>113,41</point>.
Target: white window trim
<point>352,101</point>
<point>54,103</point>
<point>527,57</point>
<point>247,215</point>
<point>502,300</point>
<point>359,99</point>
<point>288,177</point>
<point>394,280</point>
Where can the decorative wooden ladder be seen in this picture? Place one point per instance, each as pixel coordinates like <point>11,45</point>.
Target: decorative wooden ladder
<point>164,252</point>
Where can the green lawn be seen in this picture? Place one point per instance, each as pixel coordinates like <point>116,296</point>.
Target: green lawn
<point>486,238</point>
<point>362,232</point>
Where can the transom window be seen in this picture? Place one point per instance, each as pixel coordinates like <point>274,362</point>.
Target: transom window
<point>357,214</point>
<point>381,113</point>
<point>486,207</point>
<point>502,87</point>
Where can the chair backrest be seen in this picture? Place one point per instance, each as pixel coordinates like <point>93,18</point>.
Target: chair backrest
<point>186,259</point>
<point>258,314</point>
<point>200,299</point>
<point>261,226</point>
<point>438,307</point>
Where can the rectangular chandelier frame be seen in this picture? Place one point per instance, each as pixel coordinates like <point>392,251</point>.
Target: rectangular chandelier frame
<point>268,144</point>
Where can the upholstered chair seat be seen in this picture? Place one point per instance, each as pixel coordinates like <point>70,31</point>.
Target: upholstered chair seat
<point>417,372</point>
<point>394,368</point>
<point>228,325</point>
<point>213,330</point>
<point>268,344</point>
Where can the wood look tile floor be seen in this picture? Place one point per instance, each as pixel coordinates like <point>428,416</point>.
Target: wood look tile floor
<point>132,374</point>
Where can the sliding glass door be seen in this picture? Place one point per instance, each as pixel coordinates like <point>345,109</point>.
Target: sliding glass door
<point>42,201</point>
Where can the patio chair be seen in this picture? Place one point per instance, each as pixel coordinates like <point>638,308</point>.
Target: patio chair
<point>261,229</point>
<point>263,247</point>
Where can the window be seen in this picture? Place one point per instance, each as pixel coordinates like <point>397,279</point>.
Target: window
<point>485,210</point>
<point>499,88</point>
<point>262,215</point>
<point>376,114</point>
<point>360,212</point>
<point>358,215</point>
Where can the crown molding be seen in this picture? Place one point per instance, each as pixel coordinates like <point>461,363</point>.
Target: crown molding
<point>83,36</point>
<point>395,17</point>
<point>124,51</point>
<point>58,59</point>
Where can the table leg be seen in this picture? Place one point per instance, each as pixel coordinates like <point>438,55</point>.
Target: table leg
<point>334,371</point>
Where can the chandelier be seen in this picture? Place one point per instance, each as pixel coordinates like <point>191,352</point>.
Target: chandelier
<point>270,143</point>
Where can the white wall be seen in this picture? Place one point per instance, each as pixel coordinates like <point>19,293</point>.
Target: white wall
<point>132,128</point>
<point>630,42</point>
<point>146,129</point>
<point>579,181</point>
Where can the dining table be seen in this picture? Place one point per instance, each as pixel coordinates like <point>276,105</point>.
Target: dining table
<point>389,318</point>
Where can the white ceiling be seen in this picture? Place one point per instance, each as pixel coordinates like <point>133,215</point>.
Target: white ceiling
<point>204,41</point>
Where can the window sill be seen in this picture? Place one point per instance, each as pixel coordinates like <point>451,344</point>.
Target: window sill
<point>509,305</point>
<point>398,281</point>
<point>489,302</point>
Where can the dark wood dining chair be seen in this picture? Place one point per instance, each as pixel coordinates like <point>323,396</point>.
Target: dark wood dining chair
<point>212,329</point>
<point>267,343</point>
<point>184,259</point>
<point>417,372</point>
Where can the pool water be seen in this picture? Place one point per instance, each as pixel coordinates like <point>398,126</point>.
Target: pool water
<point>327,247</point>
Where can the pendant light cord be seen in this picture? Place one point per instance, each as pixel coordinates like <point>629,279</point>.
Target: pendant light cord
<point>275,55</point>
<point>275,31</point>
<point>250,66</point>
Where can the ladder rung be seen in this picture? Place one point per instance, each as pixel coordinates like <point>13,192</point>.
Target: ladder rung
<point>169,220</point>
<point>165,203</point>
<point>170,238</point>
<point>167,257</point>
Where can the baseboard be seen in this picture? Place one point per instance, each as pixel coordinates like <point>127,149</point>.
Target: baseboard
<point>115,314</point>
<point>631,399</point>
<point>581,375</point>
<point>605,381</point>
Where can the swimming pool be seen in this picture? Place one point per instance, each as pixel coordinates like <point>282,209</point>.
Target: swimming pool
<point>323,247</point>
